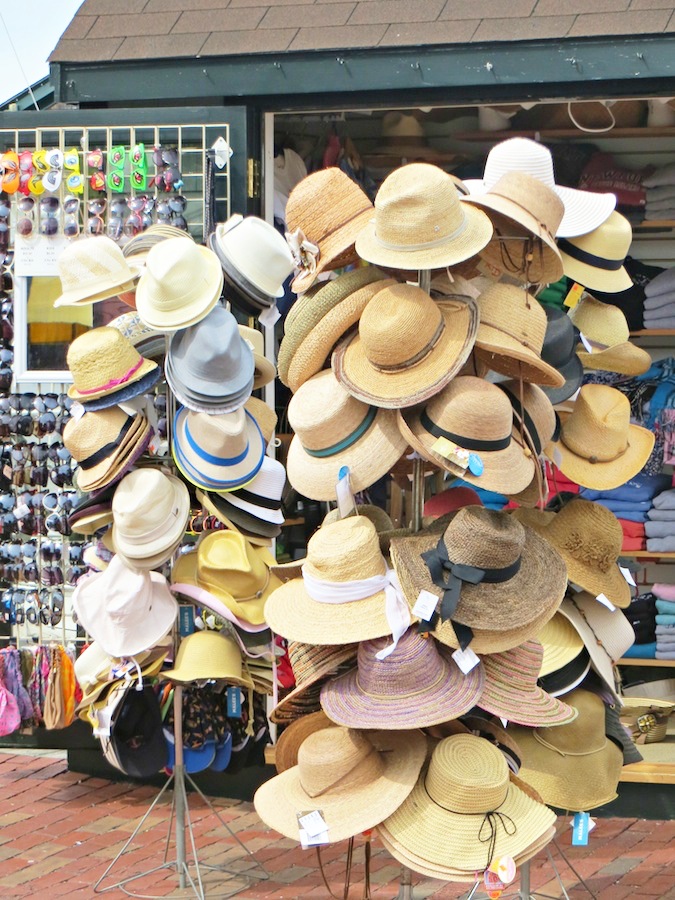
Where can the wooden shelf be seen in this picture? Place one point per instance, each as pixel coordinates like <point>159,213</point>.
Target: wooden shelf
<point>655,225</point>
<point>648,661</point>
<point>648,773</point>
<point>646,554</point>
<point>653,332</point>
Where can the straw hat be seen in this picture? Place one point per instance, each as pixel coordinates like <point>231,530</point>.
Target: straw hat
<point>559,352</point>
<point>584,210</point>
<point>419,222</point>
<point>376,514</point>
<point>534,419</point>
<point>511,335</point>
<point>218,452</point>
<point>355,780</point>
<point>511,690</point>
<point>333,429</point>
<point>605,328</point>
<point>403,137</point>
<point>104,363</point>
<point>181,284</point>
<point>324,214</point>
<point>293,736</point>
<point>598,447</point>
<point>408,347</point>
<point>525,214</point>
<point>264,415</point>
<point>265,370</point>
<point>125,610</point>
<point>150,512</point>
<point>208,655</point>
<point>475,417</point>
<point>561,642</point>
<point>569,677</point>
<point>572,766</point>
<point>93,269</point>
<point>465,793</point>
<point>232,570</point>
<point>414,687</point>
<point>345,551</point>
<point>596,259</point>
<point>94,695</point>
<point>312,665</point>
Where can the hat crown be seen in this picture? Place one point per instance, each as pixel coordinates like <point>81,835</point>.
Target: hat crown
<point>485,538</point>
<point>467,774</point>
<point>208,654</point>
<point>211,351</point>
<point>600,322</point>
<point>534,196</point>
<point>125,589</point>
<point>144,501</point>
<point>223,435</point>
<point>307,660</point>
<point>175,274</point>
<point>415,661</point>
<point>586,734</point>
<point>589,532</point>
<point>341,200</point>
<point>93,431</point>
<point>257,251</point>
<point>100,356</point>
<point>226,557</point>
<point>520,155</point>
<point>92,262</point>
<point>559,339</point>
<point>598,426</point>
<point>473,408</point>
<point>346,550</point>
<point>400,324</point>
<point>322,413</point>
<point>515,312</point>
<point>337,756</point>
<point>265,417</point>
<point>518,668</point>
<point>610,240</point>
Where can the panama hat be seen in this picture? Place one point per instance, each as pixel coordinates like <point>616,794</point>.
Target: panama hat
<point>584,210</point>
<point>258,505</point>
<point>596,259</point>
<point>465,792</point>
<point>292,737</point>
<point>561,642</point>
<point>414,687</point>
<point>572,766</point>
<point>598,446</point>
<point>522,571</point>
<point>419,222</point>
<point>208,655</point>
<point>606,331</point>
<point>265,370</point>
<point>150,511</point>
<point>332,429</point>
<point>137,248</point>
<point>525,214</point>
<point>93,269</point>
<point>312,666</point>
<point>511,335</point>
<point>103,362</point>
<point>321,234</point>
<point>558,351</point>
<point>354,779</point>
<point>471,421</point>
<point>181,284</point>
<point>408,347</point>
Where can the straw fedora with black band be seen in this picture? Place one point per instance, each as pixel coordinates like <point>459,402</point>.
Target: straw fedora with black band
<point>408,347</point>
<point>93,269</point>
<point>150,512</point>
<point>606,330</point>
<point>596,259</point>
<point>419,222</point>
<point>598,447</point>
<point>558,351</point>
<point>106,367</point>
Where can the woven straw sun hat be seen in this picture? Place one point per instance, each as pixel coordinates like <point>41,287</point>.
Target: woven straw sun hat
<point>534,419</point>
<point>408,347</point>
<point>572,766</point>
<point>354,779</point>
<point>264,415</point>
<point>562,643</point>
<point>208,655</point>
<point>104,363</point>
<point>584,210</point>
<point>465,791</point>
<point>312,665</point>
<point>292,737</point>
<point>321,234</point>
<point>150,512</point>
<point>533,577</point>
<point>419,222</point>
<point>181,284</point>
<point>596,259</point>
<point>333,429</point>
<point>606,331</point>
<point>598,446</point>
<point>93,269</point>
<point>476,417</point>
<point>511,335</point>
<point>414,687</point>
<point>559,352</point>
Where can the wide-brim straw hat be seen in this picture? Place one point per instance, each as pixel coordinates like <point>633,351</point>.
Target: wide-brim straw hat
<point>572,766</point>
<point>355,780</point>
<point>150,512</point>
<point>561,642</point>
<point>595,259</point>
<point>626,359</point>
<point>103,362</point>
<point>407,348</point>
<point>93,269</point>
<point>312,665</point>
<point>208,655</point>
<point>292,737</point>
<point>443,817</point>
<point>605,331</point>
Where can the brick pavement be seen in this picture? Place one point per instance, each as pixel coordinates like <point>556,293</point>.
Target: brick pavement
<point>59,830</point>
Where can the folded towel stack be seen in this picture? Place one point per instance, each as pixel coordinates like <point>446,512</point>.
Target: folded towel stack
<point>665,620</point>
<point>660,523</point>
<point>659,305</point>
<point>631,503</point>
<point>660,191</point>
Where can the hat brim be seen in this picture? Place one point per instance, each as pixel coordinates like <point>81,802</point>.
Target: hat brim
<point>506,355</point>
<point>573,373</point>
<point>593,278</point>
<point>201,403</point>
<point>561,642</point>
<point>145,376</point>
<point>336,250</point>
<point>532,707</point>
<point>265,371</point>
<point>222,513</point>
<point>255,294</point>
<point>342,657</point>
<point>128,392</point>
<point>625,358</point>
<point>134,547</point>
<point>102,474</point>
<point>108,289</point>
<point>419,382</point>
<point>206,599</point>
<point>247,515</point>
<point>290,739</point>
<point>91,522</point>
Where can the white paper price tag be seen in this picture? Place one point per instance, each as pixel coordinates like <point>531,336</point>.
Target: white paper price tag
<point>343,492</point>
<point>425,605</point>
<point>270,317</point>
<point>77,410</point>
<point>307,841</point>
<point>21,511</point>
<point>557,457</point>
<point>466,660</point>
<point>601,598</point>
<point>628,575</point>
<point>575,587</point>
<point>313,823</point>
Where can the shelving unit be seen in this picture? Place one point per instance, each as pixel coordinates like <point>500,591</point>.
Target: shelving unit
<point>636,661</point>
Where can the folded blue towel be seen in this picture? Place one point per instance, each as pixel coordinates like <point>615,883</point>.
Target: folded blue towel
<point>661,545</point>
<point>665,620</point>
<point>655,529</point>
<point>664,630</point>
<point>641,651</point>
<point>665,607</point>
<point>641,487</point>
<point>665,500</point>
<point>667,655</point>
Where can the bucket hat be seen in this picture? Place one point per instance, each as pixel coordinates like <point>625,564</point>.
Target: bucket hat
<point>181,284</point>
<point>150,511</point>
<point>265,370</point>
<point>558,351</point>
<point>408,347</point>
<point>465,793</point>
<point>219,452</point>
<point>208,655</point>
<point>598,446</point>
<point>562,644</point>
<point>606,331</point>
<point>292,737</point>
<point>104,364</point>
<point>572,766</point>
<point>125,610</point>
<point>259,503</point>
<point>312,665</point>
<point>525,214</point>
<point>596,259</point>
<point>210,367</point>
<point>489,571</point>
<point>321,234</point>
<point>354,779</point>
<point>419,222</point>
<point>332,429</point>
<point>93,269</point>
<point>414,687</point>
<point>511,335</point>
<point>584,210</point>
<point>471,421</point>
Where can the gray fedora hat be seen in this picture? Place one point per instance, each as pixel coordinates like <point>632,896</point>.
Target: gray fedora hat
<point>559,351</point>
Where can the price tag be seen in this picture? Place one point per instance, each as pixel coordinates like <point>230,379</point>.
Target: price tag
<point>21,511</point>
<point>343,492</point>
<point>269,317</point>
<point>466,660</point>
<point>233,703</point>
<point>318,840</point>
<point>582,825</point>
<point>601,598</point>
<point>575,587</point>
<point>7,471</point>
<point>465,459</point>
<point>425,605</point>
<point>573,295</point>
<point>77,410</point>
<point>557,457</point>
<point>628,575</point>
<point>186,620</point>
<point>313,823</point>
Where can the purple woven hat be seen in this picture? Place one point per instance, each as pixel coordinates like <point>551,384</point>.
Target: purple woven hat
<point>415,686</point>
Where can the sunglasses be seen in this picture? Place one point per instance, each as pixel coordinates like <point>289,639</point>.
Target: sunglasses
<point>49,210</point>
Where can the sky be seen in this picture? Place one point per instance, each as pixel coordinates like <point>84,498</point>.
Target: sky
<point>34,33</point>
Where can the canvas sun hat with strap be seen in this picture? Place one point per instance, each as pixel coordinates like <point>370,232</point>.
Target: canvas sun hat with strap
<point>93,269</point>
<point>103,363</point>
<point>596,259</point>
<point>150,512</point>
<point>605,329</point>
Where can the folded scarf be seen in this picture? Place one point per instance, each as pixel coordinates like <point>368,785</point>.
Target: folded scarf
<point>666,607</point>
<point>661,515</point>
<point>662,283</point>
<point>661,545</point>
<point>663,591</point>
<point>632,529</point>
<point>664,620</point>
<point>665,324</point>
<point>641,651</point>
<point>665,500</point>
<point>654,529</point>
<point>660,655</point>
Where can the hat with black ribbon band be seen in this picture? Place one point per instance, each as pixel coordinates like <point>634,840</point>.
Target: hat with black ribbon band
<point>465,442</point>
<point>105,452</point>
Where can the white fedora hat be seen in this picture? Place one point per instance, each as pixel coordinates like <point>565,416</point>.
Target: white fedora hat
<point>150,512</point>
<point>252,251</point>
<point>93,269</point>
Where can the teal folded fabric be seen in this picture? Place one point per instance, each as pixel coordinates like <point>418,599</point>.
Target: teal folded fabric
<point>665,607</point>
<point>665,620</point>
<point>642,651</point>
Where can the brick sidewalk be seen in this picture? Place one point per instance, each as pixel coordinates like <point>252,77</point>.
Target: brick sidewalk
<point>59,830</point>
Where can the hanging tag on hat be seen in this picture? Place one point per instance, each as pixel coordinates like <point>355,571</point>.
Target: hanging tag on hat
<point>465,459</point>
<point>312,829</point>
<point>233,703</point>
<point>425,605</point>
<point>77,410</point>
<point>344,493</point>
<point>628,575</point>
<point>573,295</point>
<point>269,317</point>
<point>602,598</point>
<point>186,620</point>
<point>582,825</point>
<point>466,660</point>
<point>584,340</point>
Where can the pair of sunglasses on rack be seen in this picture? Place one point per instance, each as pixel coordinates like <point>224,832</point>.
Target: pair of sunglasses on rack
<point>35,607</point>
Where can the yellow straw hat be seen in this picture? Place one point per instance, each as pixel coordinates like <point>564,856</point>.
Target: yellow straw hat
<point>606,331</point>
<point>561,642</point>
<point>595,259</point>
<point>208,655</point>
<point>102,362</point>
